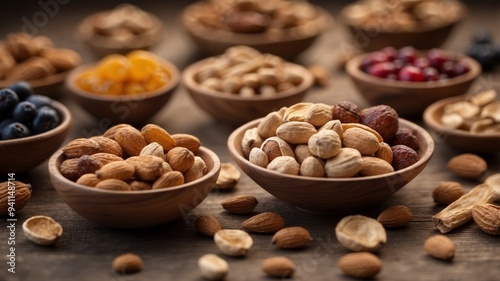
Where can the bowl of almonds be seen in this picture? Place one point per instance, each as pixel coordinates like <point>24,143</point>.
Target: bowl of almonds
<point>283,28</point>
<point>331,159</point>
<point>37,61</point>
<point>243,84</point>
<point>420,23</point>
<point>124,88</point>
<point>134,178</point>
<point>468,123</point>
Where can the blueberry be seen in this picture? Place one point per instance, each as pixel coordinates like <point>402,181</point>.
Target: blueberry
<point>45,120</point>
<point>8,100</point>
<point>482,36</point>
<point>484,54</point>
<point>14,131</point>
<point>4,123</point>
<point>39,100</point>
<point>22,89</point>
<point>24,112</point>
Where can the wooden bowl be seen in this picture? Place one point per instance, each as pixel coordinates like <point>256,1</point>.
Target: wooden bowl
<point>131,109</point>
<point>460,139</point>
<point>23,154</point>
<point>103,45</point>
<point>235,109</point>
<point>409,98</point>
<point>134,209</point>
<point>371,40</point>
<point>212,41</point>
<point>331,195</point>
<point>51,86</point>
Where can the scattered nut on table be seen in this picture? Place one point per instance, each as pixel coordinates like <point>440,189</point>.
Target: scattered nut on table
<point>42,230</point>
<point>127,263</point>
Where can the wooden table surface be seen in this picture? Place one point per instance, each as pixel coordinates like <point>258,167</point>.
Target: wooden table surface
<point>171,251</point>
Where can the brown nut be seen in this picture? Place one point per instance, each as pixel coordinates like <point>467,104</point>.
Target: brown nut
<point>180,159</point>
<point>403,156</point>
<point>346,112</point>
<point>448,192</point>
<point>381,118</point>
<point>324,144</point>
<point>87,164</point>
<point>467,165</point>
<point>21,192</point>
<point>79,147</point>
<point>155,133</point>
<point>107,145</point>
<point>131,140</point>
<point>275,147</point>
<point>169,179</point>
<point>188,141</point>
<point>406,137</point>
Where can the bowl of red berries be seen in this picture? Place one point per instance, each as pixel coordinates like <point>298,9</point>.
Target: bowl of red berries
<point>409,80</point>
<point>32,127</point>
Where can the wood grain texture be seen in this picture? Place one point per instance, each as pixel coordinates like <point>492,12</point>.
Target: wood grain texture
<point>171,251</point>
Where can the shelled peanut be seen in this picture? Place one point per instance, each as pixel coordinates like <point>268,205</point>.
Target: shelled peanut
<point>244,71</point>
<point>336,141</point>
<point>138,72</point>
<point>24,57</point>
<point>124,158</point>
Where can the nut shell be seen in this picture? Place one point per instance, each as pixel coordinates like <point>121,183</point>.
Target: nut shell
<point>360,233</point>
<point>42,230</point>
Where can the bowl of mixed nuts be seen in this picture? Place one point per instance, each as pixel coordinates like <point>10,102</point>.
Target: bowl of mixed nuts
<point>243,84</point>
<point>120,30</point>
<point>134,178</point>
<point>37,61</point>
<point>124,88</point>
<point>331,159</point>
<point>396,76</point>
<point>468,123</point>
<point>32,127</point>
<point>283,28</point>
<point>423,24</point>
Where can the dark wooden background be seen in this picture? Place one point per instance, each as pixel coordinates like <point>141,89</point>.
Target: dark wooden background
<point>170,252</point>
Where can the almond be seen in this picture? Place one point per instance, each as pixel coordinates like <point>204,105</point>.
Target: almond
<point>487,217</point>
<point>106,158</point>
<point>120,170</point>
<point>180,159</point>
<point>62,59</point>
<point>147,167</point>
<point>89,180</point>
<point>169,179</point>
<point>207,225</point>
<point>267,222</point>
<point>111,132</point>
<point>108,145</point>
<point>87,164</point>
<point>154,149</point>
<point>69,169</point>
<point>188,141</point>
<point>140,185</point>
<point>240,204</point>
<point>448,192</point>
<point>31,69</point>
<point>395,216</point>
<point>360,265</point>
<point>127,263</point>
<point>291,237</point>
<point>281,267</point>
<point>79,147</point>
<point>131,140</point>
<point>155,133</point>
<point>440,247</point>
<point>197,170</point>
<point>113,184</point>
<point>467,165</point>
<point>15,192</point>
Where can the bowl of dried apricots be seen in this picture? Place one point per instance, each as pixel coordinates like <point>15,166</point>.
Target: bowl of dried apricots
<point>128,88</point>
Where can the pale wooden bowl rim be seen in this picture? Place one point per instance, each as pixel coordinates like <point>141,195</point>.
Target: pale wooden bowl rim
<point>347,21</point>
<point>436,125</point>
<point>54,170</point>
<point>324,18</point>
<point>353,68</point>
<point>66,119</point>
<point>189,81</point>
<point>73,75</point>
<point>49,80</point>
<point>426,155</point>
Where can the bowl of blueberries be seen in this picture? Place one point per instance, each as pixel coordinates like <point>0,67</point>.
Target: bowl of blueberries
<point>32,127</point>
<point>409,80</point>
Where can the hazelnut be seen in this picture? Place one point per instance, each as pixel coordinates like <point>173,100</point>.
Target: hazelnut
<point>406,137</point>
<point>346,112</point>
<point>381,118</point>
<point>403,156</point>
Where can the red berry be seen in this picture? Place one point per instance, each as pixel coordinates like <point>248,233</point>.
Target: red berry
<point>382,69</point>
<point>461,67</point>
<point>407,54</point>
<point>448,68</point>
<point>437,57</point>
<point>431,74</point>
<point>411,73</point>
<point>390,52</point>
<point>421,63</point>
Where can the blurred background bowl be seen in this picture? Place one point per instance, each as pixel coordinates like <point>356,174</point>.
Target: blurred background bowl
<point>51,86</point>
<point>377,37</point>
<point>23,154</point>
<point>459,139</point>
<point>102,45</point>
<point>286,44</point>
<point>236,109</point>
<point>409,98</point>
<point>331,195</point>
<point>132,109</point>
<point>134,209</point>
